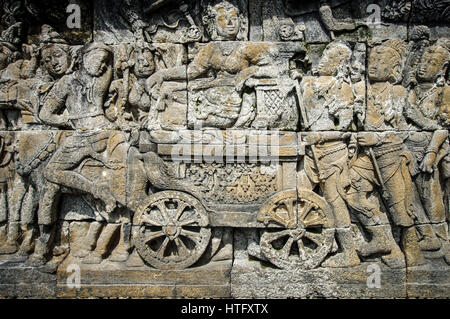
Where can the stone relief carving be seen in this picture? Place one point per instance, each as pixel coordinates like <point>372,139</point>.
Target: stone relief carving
<point>358,170</point>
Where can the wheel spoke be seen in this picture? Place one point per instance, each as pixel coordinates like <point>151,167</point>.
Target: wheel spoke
<point>313,221</point>
<point>287,248</point>
<point>277,235</point>
<point>163,211</point>
<point>188,222</point>
<point>180,210</point>
<point>182,249</point>
<point>315,238</point>
<point>152,236</point>
<point>290,207</point>
<point>305,210</point>
<point>191,235</point>
<point>162,249</point>
<point>146,219</point>
<point>301,249</point>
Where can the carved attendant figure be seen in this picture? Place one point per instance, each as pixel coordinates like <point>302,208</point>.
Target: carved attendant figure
<point>132,101</point>
<point>326,98</point>
<point>387,152</point>
<point>82,96</point>
<point>424,102</point>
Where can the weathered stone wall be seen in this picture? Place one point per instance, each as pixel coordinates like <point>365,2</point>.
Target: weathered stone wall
<point>227,148</point>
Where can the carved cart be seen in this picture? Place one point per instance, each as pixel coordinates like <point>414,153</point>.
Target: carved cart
<point>172,228</point>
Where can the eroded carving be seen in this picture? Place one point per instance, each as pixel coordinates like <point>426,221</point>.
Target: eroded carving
<point>122,142</point>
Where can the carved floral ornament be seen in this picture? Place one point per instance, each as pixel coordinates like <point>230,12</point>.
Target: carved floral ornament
<point>173,126</point>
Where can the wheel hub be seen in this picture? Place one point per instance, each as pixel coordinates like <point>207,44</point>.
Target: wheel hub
<point>298,234</point>
<point>171,231</point>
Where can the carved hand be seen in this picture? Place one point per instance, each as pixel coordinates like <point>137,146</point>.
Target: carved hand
<point>367,139</point>
<point>428,163</point>
<point>312,138</point>
<point>155,79</point>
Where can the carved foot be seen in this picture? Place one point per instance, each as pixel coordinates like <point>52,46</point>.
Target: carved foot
<point>430,244</point>
<point>119,255</point>
<point>446,250</point>
<point>342,260</point>
<point>224,254</point>
<point>8,248</point>
<point>395,259</point>
<point>93,258</point>
<point>134,260</point>
<point>81,253</point>
<point>36,260</point>
<point>447,258</point>
<point>371,248</point>
<point>60,250</point>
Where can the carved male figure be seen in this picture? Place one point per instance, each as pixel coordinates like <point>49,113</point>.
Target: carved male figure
<point>326,98</point>
<point>429,149</point>
<point>81,95</point>
<point>14,69</point>
<point>386,100</point>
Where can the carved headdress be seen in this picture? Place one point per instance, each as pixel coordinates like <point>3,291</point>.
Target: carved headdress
<point>442,47</point>
<point>49,35</point>
<point>10,40</point>
<point>11,37</point>
<point>398,48</point>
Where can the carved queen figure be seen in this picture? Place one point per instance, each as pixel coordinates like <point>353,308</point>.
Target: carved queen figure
<point>220,70</point>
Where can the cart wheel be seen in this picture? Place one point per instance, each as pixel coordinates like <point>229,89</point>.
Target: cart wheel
<point>306,245</point>
<point>171,230</point>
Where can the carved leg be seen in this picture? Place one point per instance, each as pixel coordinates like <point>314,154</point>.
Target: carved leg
<point>27,219</point>
<point>46,219</point>
<point>442,232</point>
<point>13,235</point>
<point>2,233</point>
<point>121,253</point>
<point>414,256</point>
<point>226,252</point>
<point>348,256</point>
<point>103,243</point>
<point>60,171</point>
<point>42,247</point>
<point>90,241</point>
<point>3,204</point>
<point>27,243</point>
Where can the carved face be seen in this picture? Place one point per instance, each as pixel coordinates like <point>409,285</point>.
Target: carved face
<point>332,59</point>
<point>356,71</point>
<point>145,65</point>
<point>382,62</point>
<point>96,62</point>
<point>56,60</point>
<point>227,22</point>
<point>430,64</point>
